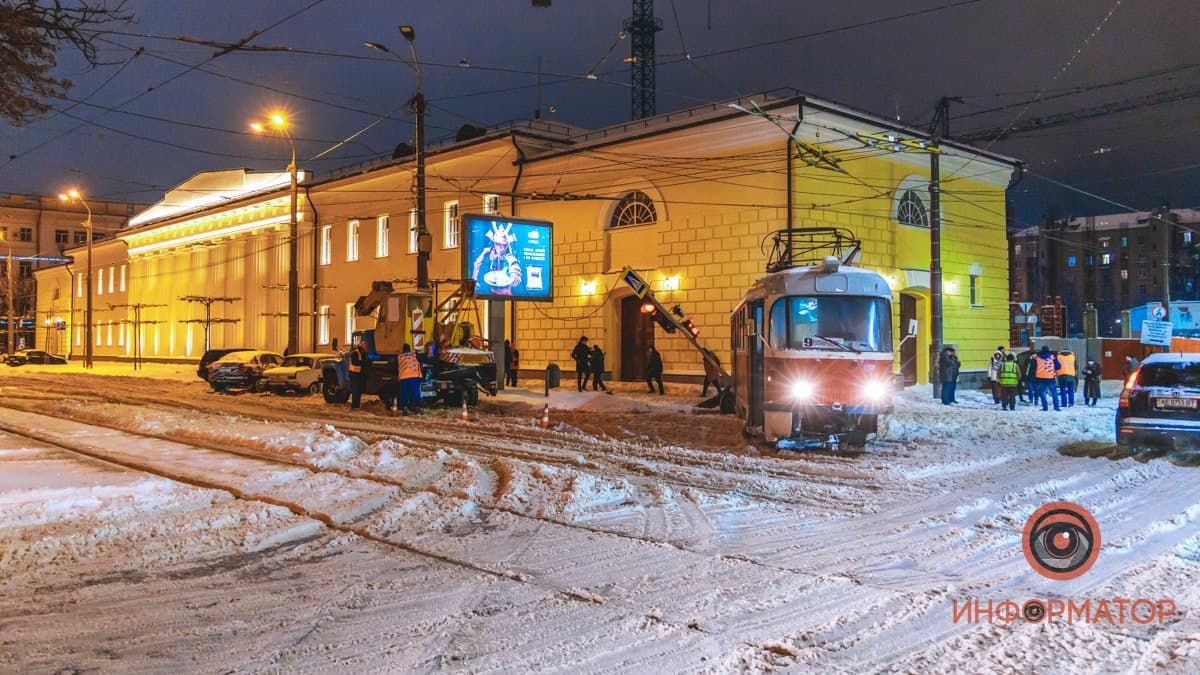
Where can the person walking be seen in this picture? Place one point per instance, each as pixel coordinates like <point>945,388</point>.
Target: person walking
<point>1066,378</point>
<point>512,361</point>
<point>712,372</point>
<point>583,365</point>
<point>1007,378</point>
<point>993,372</point>
<point>1045,366</point>
<point>1024,385</point>
<point>948,367</point>
<point>358,374</point>
<point>408,372</point>
<point>1091,383</point>
<point>1131,364</point>
<point>597,364</point>
<point>654,371</point>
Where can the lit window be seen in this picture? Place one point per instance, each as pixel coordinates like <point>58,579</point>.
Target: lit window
<point>100,281</point>
<point>450,215</point>
<point>78,336</point>
<point>635,208</point>
<point>110,333</point>
<point>96,331</point>
<point>352,241</point>
<point>491,204</point>
<point>323,325</point>
<point>1105,258</point>
<point>382,232</point>
<point>121,334</point>
<point>412,231</point>
<point>974,288</point>
<point>349,322</point>
<point>1017,249</point>
<point>123,278</point>
<point>1124,240</point>
<point>326,244</point>
<point>112,278</point>
<point>1187,238</point>
<point>1124,274</point>
<point>1070,261</point>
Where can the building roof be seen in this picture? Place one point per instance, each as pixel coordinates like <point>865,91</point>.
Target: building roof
<point>1114,221</point>
<point>210,188</point>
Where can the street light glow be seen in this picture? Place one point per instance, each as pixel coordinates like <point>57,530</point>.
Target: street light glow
<point>278,120</point>
<point>256,127</point>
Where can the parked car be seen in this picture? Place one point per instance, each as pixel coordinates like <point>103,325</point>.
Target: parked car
<point>242,370</point>
<point>212,356</point>
<point>1160,405</point>
<point>35,356</point>
<point>299,373</point>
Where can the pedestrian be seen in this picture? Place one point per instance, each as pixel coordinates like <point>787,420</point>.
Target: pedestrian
<point>948,367</point>
<point>583,365</point>
<point>1024,390</point>
<point>1091,383</point>
<point>597,364</point>
<point>512,361</point>
<point>408,372</point>
<point>358,374</point>
<point>654,371</point>
<point>1131,365</point>
<point>1008,378</point>
<point>1066,378</point>
<point>1045,366</point>
<point>993,372</point>
<point>712,372</point>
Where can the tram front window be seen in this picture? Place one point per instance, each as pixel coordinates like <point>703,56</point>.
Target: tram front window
<point>834,323</point>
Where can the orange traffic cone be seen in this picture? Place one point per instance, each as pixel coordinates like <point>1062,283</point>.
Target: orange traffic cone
<point>546,416</point>
<point>465,415</point>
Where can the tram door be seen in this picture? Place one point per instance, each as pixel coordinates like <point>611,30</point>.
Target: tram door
<point>755,350</point>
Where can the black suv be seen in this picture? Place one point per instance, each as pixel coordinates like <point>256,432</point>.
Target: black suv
<point>211,356</point>
<point>1160,405</point>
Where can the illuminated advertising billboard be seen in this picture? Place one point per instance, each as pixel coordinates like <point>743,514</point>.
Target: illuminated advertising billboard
<point>509,258</point>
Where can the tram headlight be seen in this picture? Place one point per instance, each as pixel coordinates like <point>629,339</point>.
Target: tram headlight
<point>802,390</point>
<point>876,390</point>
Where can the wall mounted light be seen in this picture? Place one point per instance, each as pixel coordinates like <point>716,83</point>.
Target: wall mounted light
<point>670,283</point>
<point>588,287</point>
<point>950,286</point>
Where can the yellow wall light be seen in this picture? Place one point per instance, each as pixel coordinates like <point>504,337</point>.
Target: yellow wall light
<point>670,283</point>
<point>588,287</point>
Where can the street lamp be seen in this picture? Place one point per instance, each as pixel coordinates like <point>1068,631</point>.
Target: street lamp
<point>424,241</point>
<point>9,340</point>
<point>278,122</point>
<point>71,196</point>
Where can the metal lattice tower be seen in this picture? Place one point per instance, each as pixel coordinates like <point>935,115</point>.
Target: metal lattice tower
<point>641,28</point>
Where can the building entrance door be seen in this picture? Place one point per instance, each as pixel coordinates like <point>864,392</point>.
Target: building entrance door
<point>908,350</point>
<point>637,337</point>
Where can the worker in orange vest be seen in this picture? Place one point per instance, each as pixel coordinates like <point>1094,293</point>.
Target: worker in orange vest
<point>409,375</point>
<point>1045,366</point>
<point>1066,378</point>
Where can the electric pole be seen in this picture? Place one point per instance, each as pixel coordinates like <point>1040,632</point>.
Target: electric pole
<point>939,129</point>
<point>9,340</point>
<point>641,28</point>
<point>1164,221</point>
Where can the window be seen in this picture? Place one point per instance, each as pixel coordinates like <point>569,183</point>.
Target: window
<point>100,281</point>
<point>24,269</point>
<point>911,210</point>
<point>1104,242</point>
<point>79,286</point>
<point>123,278</point>
<point>61,237</point>
<point>1017,249</point>
<point>412,231</point>
<point>78,336</point>
<point>974,289</point>
<point>112,278</point>
<point>382,232</point>
<point>108,341</point>
<point>1187,238</point>
<point>121,336</point>
<point>323,325</point>
<point>491,204</point>
<point>1124,240</point>
<point>1105,258</point>
<point>352,241</point>
<point>96,332</point>
<point>635,208</point>
<point>846,323</point>
<point>1124,274</point>
<point>79,237</point>
<point>1091,261</point>
<point>349,322</point>
<point>1070,261</point>
<point>326,244</point>
<point>450,225</point>
<point>25,234</point>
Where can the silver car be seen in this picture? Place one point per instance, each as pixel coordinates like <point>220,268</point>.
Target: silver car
<point>299,373</point>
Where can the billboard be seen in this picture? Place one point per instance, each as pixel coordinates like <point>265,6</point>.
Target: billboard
<point>509,258</point>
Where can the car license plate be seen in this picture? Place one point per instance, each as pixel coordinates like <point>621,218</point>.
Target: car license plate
<point>1184,403</point>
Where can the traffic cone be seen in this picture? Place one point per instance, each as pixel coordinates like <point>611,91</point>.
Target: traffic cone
<point>545,424</point>
<point>465,415</point>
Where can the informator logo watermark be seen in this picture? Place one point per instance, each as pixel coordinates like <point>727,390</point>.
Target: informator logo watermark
<point>1061,541</point>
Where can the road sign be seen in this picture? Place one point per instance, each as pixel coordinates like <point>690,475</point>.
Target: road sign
<point>636,282</point>
<point>1026,307</point>
<point>1159,312</point>
<point>1030,319</point>
<point>1156,333</point>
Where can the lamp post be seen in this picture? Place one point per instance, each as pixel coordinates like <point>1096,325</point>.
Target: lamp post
<point>424,241</point>
<point>71,196</point>
<point>9,340</point>
<point>278,121</point>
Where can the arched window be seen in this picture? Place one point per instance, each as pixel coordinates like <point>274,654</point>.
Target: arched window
<point>911,210</point>
<point>635,208</point>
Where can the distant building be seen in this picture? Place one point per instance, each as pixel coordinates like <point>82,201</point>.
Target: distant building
<point>1113,262</point>
<point>40,229</point>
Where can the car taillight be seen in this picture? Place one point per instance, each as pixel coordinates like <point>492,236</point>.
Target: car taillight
<point>1130,383</point>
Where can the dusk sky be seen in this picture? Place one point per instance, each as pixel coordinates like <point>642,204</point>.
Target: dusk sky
<point>993,53</point>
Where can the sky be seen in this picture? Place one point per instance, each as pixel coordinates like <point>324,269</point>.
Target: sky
<point>141,123</point>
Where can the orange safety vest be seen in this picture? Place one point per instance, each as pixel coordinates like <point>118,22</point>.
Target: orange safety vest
<point>1066,364</point>
<point>1045,368</point>
<point>409,366</point>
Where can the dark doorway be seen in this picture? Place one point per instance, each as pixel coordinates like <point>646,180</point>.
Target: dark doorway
<point>637,337</point>
<point>908,350</point>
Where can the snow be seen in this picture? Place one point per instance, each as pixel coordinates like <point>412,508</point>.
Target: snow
<point>257,532</point>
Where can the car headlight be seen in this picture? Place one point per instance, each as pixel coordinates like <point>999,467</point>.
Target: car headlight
<point>802,390</point>
<point>876,390</point>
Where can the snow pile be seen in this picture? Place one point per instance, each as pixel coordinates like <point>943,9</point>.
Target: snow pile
<point>594,401</point>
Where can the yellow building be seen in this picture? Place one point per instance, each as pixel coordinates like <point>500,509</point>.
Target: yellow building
<point>687,198</point>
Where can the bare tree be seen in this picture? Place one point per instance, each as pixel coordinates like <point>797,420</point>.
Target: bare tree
<point>31,33</point>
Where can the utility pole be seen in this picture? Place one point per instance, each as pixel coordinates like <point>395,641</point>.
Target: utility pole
<point>208,321</point>
<point>939,129</point>
<point>1164,220</point>
<point>137,327</point>
<point>69,196</point>
<point>641,28</point>
<point>8,270</point>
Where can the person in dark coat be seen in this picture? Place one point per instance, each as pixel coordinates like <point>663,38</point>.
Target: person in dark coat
<point>1131,364</point>
<point>1091,383</point>
<point>948,367</point>
<point>582,355</point>
<point>358,374</point>
<point>597,363</point>
<point>712,373</point>
<point>654,371</point>
<point>512,361</point>
<point>1023,389</point>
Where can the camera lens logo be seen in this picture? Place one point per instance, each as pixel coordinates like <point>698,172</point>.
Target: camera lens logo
<point>1061,540</point>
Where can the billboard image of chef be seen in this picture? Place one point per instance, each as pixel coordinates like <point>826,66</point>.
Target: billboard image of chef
<point>509,258</point>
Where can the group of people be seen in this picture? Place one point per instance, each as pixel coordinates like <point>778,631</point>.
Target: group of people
<point>589,365</point>
<point>404,397</point>
<point>1034,376</point>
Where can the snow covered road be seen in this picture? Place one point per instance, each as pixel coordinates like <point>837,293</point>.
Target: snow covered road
<point>258,532</point>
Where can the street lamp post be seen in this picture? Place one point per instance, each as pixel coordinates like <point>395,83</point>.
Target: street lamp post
<point>9,340</point>
<point>279,122</point>
<point>69,196</point>
<point>424,241</point>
